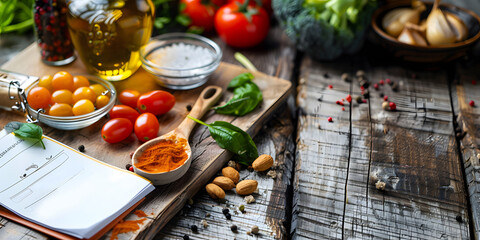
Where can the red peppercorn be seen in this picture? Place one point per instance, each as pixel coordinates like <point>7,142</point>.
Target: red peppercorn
<point>474,82</point>
<point>472,103</point>
<point>388,80</point>
<point>385,98</point>
<point>130,169</point>
<point>343,109</point>
<point>375,85</point>
<point>393,106</point>
<point>330,119</point>
<point>349,98</point>
<point>364,100</point>
<point>330,86</point>
<point>340,103</point>
<point>362,88</point>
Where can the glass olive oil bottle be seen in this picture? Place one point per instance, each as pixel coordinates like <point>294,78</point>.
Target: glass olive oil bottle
<point>108,34</point>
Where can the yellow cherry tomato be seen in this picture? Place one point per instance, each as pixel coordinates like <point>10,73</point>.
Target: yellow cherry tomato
<point>39,97</point>
<point>61,110</point>
<point>98,89</point>
<point>46,82</point>
<point>62,96</point>
<point>62,80</point>
<point>83,106</point>
<point>80,81</point>
<point>101,101</point>
<point>84,93</point>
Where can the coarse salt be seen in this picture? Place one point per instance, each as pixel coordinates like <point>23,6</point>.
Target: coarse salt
<point>181,56</point>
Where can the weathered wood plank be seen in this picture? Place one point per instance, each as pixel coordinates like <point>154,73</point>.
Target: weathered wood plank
<point>412,150</point>
<point>276,138</point>
<point>464,90</point>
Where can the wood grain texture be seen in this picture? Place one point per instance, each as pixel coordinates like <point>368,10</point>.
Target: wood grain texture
<point>207,157</point>
<point>270,210</point>
<point>464,90</point>
<point>412,150</point>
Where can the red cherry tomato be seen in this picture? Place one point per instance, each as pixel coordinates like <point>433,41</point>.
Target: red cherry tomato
<point>129,98</point>
<point>124,111</point>
<point>116,130</point>
<point>146,127</point>
<point>157,102</point>
<point>236,29</point>
<point>201,14</point>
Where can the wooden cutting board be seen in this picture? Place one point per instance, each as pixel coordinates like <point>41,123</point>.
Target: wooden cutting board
<point>208,158</point>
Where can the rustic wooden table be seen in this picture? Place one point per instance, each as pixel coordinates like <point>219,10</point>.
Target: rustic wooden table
<point>426,152</point>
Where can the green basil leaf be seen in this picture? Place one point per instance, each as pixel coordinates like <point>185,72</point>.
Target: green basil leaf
<point>240,80</point>
<point>245,99</point>
<point>234,140</point>
<point>30,131</point>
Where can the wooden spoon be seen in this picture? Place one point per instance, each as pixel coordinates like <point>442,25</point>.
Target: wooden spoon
<point>209,96</point>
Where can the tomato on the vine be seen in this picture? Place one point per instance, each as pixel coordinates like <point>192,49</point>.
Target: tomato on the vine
<point>124,111</point>
<point>242,25</point>
<point>202,14</point>
<point>116,130</point>
<point>146,127</point>
<point>129,98</point>
<point>157,102</point>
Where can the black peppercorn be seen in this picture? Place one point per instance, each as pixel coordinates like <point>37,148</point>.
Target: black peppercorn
<point>186,237</point>
<point>225,210</point>
<point>228,216</point>
<point>366,94</point>
<point>194,228</point>
<point>459,219</point>
<point>359,99</point>
<point>189,107</point>
<point>81,148</point>
<point>128,166</point>
<point>234,228</point>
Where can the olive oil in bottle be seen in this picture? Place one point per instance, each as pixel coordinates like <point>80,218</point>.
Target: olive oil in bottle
<point>108,34</point>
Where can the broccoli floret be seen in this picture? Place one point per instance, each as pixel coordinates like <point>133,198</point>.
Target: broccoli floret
<point>325,29</point>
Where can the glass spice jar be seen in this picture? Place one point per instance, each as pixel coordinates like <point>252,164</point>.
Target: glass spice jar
<point>52,34</point>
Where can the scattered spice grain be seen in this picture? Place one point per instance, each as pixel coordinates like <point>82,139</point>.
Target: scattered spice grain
<point>385,98</point>
<point>225,211</point>
<point>128,166</point>
<point>375,85</point>
<point>189,107</point>
<point>194,228</point>
<point>255,229</point>
<point>330,86</point>
<point>131,169</point>
<point>393,106</point>
<point>241,208</point>
<point>349,98</point>
<point>234,228</point>
<point>330,119</point>
<point>228,216</point>
<point>125,227</point>
<point>472,103</point>
<point>81,148</point>
<point>343,109</point>
<point>381,82</point>
<point>186,237</point>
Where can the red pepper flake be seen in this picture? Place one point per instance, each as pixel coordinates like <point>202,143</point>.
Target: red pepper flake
<point>474,82</point>
<point>385,98</point>
<point>343,109</point>
<point>393,106</point>
<point>472,103</point>
<point>349,98</point>
<point>388,80</point>
<point>130,168</point>
<point>340,103</point>
<point>381,82</point>
<point>330,86</point>
<point>330,119</point>
<point>375,85</point>
<point>364,100</point>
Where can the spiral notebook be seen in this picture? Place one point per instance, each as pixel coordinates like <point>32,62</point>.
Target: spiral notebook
<point>63,190</point>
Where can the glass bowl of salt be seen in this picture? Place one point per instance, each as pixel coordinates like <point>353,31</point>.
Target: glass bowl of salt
<point>180,60</point>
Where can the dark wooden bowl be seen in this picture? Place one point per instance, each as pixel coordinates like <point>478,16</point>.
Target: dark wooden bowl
<point>428,54</point>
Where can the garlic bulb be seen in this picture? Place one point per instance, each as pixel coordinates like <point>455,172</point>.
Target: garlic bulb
<point>413,35</point>
<point>444,28</point>
<point>394,21</point>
